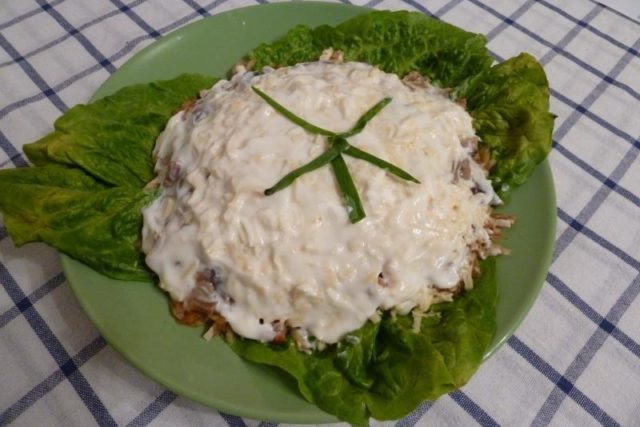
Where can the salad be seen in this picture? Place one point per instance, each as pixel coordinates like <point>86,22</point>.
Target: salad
<point>89,185</point>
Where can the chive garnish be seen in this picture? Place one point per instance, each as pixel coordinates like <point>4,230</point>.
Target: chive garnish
<point>292,117</point>
<point>338,144</point>
<point>348,189</point>
<point>364,119</point>
<point>383,164</point>
<point>314,164</point>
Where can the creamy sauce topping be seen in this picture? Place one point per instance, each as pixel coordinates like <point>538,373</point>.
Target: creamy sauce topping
<point>294,255</point>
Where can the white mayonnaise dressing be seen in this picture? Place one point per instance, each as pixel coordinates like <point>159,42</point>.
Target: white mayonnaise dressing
<point>294,255</point>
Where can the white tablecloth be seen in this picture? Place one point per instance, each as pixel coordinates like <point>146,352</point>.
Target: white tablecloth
<point>574,361</point>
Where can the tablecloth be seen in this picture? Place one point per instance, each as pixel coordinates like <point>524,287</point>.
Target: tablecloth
<point>574,361</point>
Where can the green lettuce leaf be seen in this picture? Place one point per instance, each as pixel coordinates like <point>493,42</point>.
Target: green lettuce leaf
<point>69,210</point>
<point>398,42</point>
<point>385,370</point>
<point>510,108</point>
<point>112,138</point>
<point>85,195</point>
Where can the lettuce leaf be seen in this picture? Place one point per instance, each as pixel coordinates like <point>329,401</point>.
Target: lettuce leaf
<point>397,42</point>
<point>78,215</point>
<point>385,370</point>
<point>112,138</point>
<point>509,104</point>
<point>86,194</point>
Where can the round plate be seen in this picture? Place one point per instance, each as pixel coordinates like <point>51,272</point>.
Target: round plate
<point>134,317</point>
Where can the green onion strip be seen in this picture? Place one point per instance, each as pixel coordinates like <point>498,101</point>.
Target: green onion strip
<point>338,145</point>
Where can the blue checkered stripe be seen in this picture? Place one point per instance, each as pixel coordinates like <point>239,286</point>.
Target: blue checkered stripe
<point>575,360</point>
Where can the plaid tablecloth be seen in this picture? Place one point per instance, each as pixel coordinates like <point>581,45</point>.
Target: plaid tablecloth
<point>574,361</point>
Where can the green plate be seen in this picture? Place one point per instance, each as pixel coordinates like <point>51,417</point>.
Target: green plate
<point>134,317</point>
